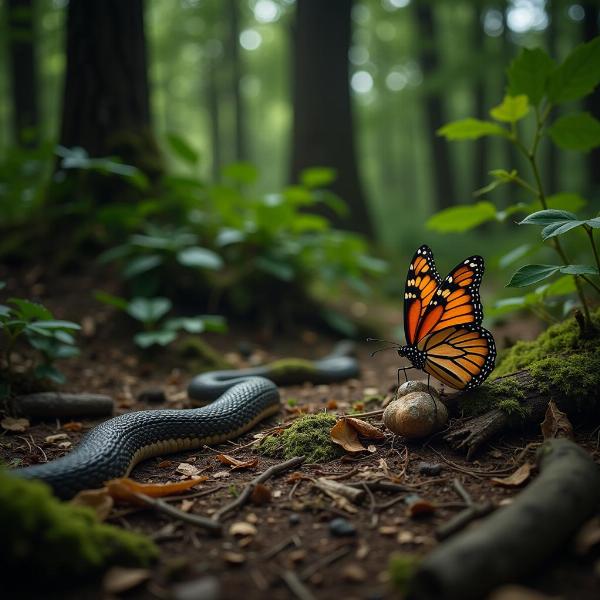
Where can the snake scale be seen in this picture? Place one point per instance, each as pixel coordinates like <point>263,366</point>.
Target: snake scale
<point>241,399</point>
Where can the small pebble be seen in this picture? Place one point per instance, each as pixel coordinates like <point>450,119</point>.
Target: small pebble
<point>245,348</point>
<point>433,469</point>
<point>341,527</point>
<point>152,396</point>
<point>294,519</point>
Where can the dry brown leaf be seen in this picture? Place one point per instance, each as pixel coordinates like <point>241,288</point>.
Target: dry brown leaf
<point>12,424</point>
<point>556,424</point>
<point>365,429</point>
<point>346,436</point>
<point>186,505</point>
<point>124,489</point>
<point>100,501</point>
<point>386,471</point>
<point>261,494</point>
<point>221,475</point>
<point>187,469</point>
<point>73,426</point>
<point>165,464</point>
<point>520,476</point>
<point>235,463</point>
<point>242,528</point>
<point>119,579</point>
<point>420,507</point>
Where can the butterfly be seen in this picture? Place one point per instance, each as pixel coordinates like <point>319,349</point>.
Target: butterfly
<point>442,322</point>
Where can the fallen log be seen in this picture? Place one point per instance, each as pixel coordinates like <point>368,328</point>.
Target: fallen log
<point>61,405</point>
<point>516,539</point>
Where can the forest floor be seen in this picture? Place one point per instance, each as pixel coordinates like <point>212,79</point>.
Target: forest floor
<point>291,532</point>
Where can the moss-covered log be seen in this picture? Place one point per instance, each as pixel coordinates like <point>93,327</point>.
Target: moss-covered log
<point>517,539</point>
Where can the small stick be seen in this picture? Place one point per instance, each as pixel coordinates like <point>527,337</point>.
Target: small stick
<point>296,586</point>
<point>462,519</point>
<point>460,490</point>
<point>353,494</point>
<point>166,508</point>
<point>310,570</point>
<point>243,497</point>
<point>372,413</point>
<point>275,550</point>
<point>383,486</point>
<point>194,495</point>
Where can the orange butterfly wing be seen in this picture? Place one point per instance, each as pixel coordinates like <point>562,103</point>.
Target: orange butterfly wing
<point>422,281</point>
<point>456,301</point>
<point>460,356</point>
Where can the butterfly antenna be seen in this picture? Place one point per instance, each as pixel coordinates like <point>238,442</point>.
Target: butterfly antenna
<point>394,347</point>
<point>370,339</point>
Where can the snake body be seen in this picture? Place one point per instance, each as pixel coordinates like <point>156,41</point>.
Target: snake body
<point>114,447</point>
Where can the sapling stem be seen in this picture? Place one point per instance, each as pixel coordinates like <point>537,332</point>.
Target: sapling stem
<point>590,233</point>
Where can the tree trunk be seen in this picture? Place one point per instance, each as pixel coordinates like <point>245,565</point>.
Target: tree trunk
<point>323,133</point>
<point>481,107</point>
<point>106,107</point>
<point>441,164</point>
<point>23,72</point>
<point>236,75</point>
<point>592,102</point>
<point>212,93</point>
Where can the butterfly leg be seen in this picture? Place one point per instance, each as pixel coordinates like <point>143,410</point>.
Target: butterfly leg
<point>398,382</point>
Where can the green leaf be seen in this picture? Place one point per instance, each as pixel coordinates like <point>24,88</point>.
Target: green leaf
<point>566,201</point>
<point>228,235</point>
<point>548,217</point>
<point>530,274</point>
<point>578,131</point>
<point>512,109</point>
<point>141,264</point>
<point>189,324</point>
<point>182,148</point>
<point>49,372</point>
<point>471,129</point>
<point>146,339</point>
<point>594,223</point>
<point>316,177</point>
<point>514,255</point>
<point>578,75</point>
<point>62,325</point>
<point>579,270</point>
<point>462,218</point>
<point>111,300</point>
<point>501,177</point>
<point>528,74</point>
<point>562,286</point>
<point>555,229</point>
<point>29,311</point>
<point>280,270</point>
<point>4,310</point>
<point>214,323</point>
<point>148,310</point>
<point>241,172</point>
<point>200,258</point>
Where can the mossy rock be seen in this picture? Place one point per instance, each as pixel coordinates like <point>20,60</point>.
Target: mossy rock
<point>560,362</point>
<point>58,541</point>
<point>308,436</point>
<point>289,371</point>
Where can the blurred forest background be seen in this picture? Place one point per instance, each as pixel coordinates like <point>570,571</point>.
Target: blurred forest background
<point>273,87</point>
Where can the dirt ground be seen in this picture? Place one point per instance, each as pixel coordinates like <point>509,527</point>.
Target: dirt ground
<point>292,530</point>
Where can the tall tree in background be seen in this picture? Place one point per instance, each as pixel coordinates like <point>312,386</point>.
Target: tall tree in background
<point>233,17</point>
<point>106,107</point>
<point>323,133</point>
<point>23,71</point>
<point>481,108</point>
<point>434,108</point>
<point>590,31</point>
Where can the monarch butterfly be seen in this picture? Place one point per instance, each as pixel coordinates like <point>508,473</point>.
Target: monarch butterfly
<point>442,322</point>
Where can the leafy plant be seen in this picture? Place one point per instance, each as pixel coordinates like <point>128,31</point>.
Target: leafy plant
<point>22,321</point>
<point>150,313</point>
<point>537,86</point>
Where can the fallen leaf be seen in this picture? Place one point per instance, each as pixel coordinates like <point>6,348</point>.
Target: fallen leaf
<point>221,475</point>
<point>418,507</point>
<point>297,555</point>
<point>556,424</point>
<point>388,530</point>
<point>50,439</point>
<point>165,464</point>
<point>11,424</point>
<point>119,579</point>
<point>346,436</point>
<point>124,489</point>
<point>186,505</point>
<point>261,494</point>
<point>354,572</point>
<point>234,558</point>
<point>242,528</point>
<point>386,471</point>
<point>65,445</point>
<point>237,464</point>
<point>365,429</point>
<point>187,469</point>
<point>520,476</point>
<point>405,537</point>
<point>99,500</point>
<point>73,426</point>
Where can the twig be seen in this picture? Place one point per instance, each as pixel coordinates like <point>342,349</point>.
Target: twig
<point>164,507</point>
<point>462,519</point>
<point>275,550</point>
<point>460,490</point>
<point>296,586</point>
<point>310,570</point>
<point>339,489</point>
<point>243,497</point>
<point>383,486</point>
<point>372,413</point>
<point>194,495</point>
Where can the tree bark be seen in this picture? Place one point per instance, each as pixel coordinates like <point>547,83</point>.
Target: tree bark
<point>441,167</point>
<point>23,72</point>
<point>236,75</point>
<point>106,107</point>
<point>481,109</point>
<point>323,133</point>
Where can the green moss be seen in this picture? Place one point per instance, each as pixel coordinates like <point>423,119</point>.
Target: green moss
<point>58,541</point>
<point>201,356</point>
<point>291,370</point>
<point>504,394</point>
<point>559,360</point>
<point>309,436</point>
<point>401,567</point>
